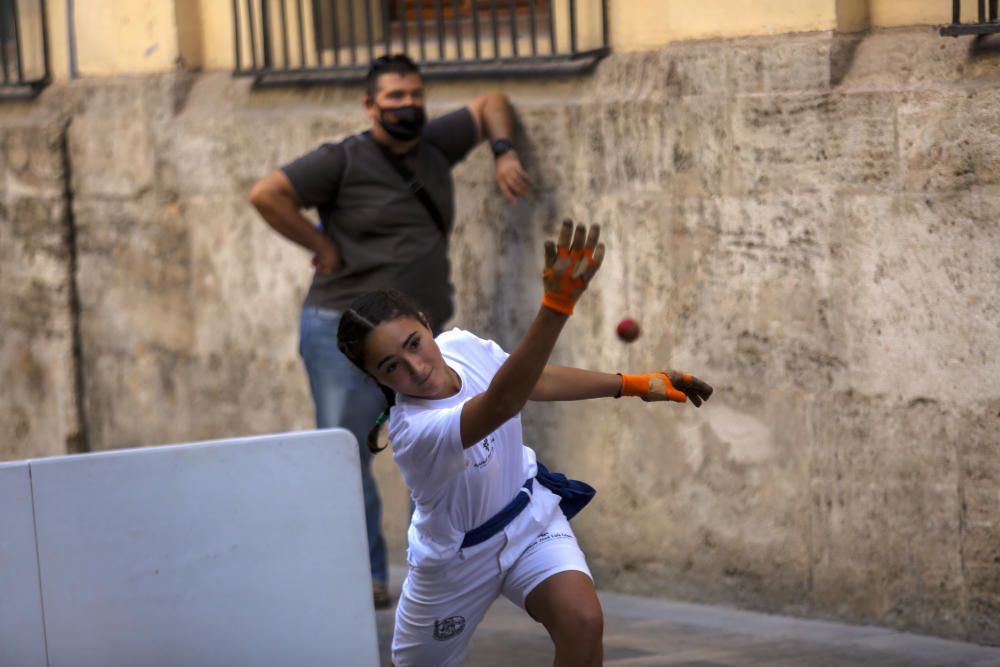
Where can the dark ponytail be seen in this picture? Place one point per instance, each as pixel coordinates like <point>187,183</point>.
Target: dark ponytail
<point>383,417</point>
<point>364,314</point>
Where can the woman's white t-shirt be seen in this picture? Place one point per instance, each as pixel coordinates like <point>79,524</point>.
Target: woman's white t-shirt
<point>456,489</point>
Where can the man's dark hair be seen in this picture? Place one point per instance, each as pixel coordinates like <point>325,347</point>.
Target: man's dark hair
<point>398,63</point>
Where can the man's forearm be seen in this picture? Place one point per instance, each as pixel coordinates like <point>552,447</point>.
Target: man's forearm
<point>498,117</point>
<point>282,213</point>
<point>495,119</point>
<point>290,223</point>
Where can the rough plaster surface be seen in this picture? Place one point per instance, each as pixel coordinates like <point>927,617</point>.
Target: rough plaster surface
<point>809,222</point>
<point>187,301</point>
<point>39,414</point>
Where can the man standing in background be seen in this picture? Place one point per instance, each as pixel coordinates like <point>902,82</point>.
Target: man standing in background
<point>386,202</point>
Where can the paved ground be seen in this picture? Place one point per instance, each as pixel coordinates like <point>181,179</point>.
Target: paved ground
<point>648,632</point>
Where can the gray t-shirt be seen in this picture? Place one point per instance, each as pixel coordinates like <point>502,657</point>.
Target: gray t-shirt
<point>386,236</point>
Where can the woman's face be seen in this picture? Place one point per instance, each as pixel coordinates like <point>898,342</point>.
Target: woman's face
<point>402,355</point>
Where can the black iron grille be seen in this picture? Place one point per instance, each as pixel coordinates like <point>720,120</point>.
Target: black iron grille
<point>24,48</point>
<point>986,23</point>
<point>333,41</point>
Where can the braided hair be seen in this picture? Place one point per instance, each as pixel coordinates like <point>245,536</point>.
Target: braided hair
<point>364,314</point>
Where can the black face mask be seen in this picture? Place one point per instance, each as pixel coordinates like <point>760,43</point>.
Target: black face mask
<point>402,123</point>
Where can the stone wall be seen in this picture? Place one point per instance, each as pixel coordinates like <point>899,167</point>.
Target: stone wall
<point>187,301</point>
<point>808,222</point>
<point>39,413</point>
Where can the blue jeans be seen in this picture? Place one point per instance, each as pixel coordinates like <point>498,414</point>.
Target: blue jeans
<point>345,397</point>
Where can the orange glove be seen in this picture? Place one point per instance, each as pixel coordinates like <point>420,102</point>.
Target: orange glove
<point>666,386</point>
<point>569,267</point>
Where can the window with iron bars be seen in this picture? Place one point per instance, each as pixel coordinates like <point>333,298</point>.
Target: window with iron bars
<point>24,49</point>
<point>986,23</point>
<point>330,41</point>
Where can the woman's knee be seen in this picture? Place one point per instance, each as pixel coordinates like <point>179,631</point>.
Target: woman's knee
<point>568,606</point>
<point>583,622</point>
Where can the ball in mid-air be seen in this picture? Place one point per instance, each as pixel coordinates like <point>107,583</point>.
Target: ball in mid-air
<point>628,330</point>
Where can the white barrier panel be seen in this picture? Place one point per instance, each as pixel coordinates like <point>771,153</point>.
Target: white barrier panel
<point>240,552</point>
<point>22,637</point>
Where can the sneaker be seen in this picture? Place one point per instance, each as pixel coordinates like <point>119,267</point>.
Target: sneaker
<point>381,595</point>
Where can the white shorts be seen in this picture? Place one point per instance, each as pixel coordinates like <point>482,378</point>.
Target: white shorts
<point>440,607</point>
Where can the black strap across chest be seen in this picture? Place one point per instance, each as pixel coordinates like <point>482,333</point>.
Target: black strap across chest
<point>412,182</point>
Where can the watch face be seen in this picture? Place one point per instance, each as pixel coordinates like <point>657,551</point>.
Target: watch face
<point>500,146</point>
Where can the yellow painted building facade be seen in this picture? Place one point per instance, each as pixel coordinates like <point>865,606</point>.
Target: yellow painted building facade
<point>112,37</point>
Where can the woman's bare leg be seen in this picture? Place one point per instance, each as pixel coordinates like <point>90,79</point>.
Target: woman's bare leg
<point>567,605</point>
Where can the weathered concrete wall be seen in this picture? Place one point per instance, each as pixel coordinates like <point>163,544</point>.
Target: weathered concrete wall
<point>39,414</point>
<point>807,222</point>
<point>188,303</point>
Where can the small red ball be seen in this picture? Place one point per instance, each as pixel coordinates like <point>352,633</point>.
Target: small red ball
<point>628,330</point>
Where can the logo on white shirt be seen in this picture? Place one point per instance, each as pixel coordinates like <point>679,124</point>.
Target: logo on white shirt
<point>482,454</point>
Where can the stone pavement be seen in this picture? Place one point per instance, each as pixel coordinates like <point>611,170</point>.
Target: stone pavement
<point>651,632</point>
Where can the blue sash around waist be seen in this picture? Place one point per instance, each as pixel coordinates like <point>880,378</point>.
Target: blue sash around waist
<point>574,496</point>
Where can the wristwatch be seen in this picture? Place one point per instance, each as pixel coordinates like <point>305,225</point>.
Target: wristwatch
<point>500,146</point>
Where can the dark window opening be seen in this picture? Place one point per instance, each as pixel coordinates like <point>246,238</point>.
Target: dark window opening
<point>24,59</point>
<point>330,41</point>
<point>985,22</point>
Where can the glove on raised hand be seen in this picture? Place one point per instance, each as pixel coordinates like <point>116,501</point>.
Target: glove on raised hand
<point>570,265</point>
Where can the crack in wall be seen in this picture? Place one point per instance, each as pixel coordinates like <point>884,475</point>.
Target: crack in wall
<point>78,442</point>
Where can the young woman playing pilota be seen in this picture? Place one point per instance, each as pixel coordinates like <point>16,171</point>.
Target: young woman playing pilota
<point>489,519</point>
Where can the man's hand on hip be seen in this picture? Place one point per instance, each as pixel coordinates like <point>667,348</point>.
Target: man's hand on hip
<point>327,259</point>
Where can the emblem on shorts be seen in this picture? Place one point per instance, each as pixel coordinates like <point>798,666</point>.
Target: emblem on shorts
<point>448,627</point>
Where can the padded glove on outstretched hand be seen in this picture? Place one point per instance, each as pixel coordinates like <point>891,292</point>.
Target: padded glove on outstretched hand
<point>666,386</point>
<point>570,265</point>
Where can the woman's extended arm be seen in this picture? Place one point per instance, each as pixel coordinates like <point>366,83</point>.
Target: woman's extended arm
<point>568,270</point>
<point>564,383</point>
